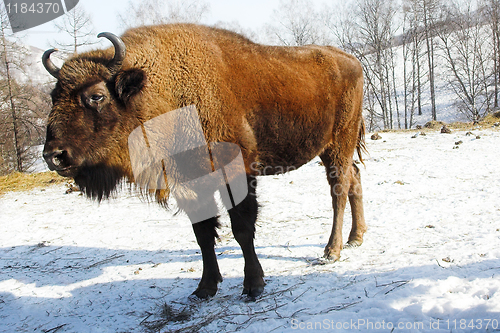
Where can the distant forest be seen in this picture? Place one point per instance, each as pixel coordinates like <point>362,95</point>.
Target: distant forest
<point>416,55</point>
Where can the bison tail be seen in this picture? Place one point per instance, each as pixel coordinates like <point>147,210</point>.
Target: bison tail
<point>361,145</point>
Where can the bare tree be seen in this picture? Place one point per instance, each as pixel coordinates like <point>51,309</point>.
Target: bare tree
<point>77,23</point>
<point>367,30</point>
<point>21,110</point>
<point>10,112</point>
<point>27,122</point>
<point>149,12</point>
<point>491,11</point>
<point>468,59</point>
<point>428,7</point>
<point>295,22</point>
<point>427,13</point>
<point>412,40</point>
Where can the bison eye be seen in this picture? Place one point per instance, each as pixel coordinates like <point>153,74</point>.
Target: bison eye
<point>96,98</point>
<point>94,101</point>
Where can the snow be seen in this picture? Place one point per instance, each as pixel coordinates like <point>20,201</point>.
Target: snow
<point>39,164</point>
<point>430,261</point>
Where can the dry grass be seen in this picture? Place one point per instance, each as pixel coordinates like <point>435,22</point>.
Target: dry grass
<point>24,182</point>
<point>490,121</point>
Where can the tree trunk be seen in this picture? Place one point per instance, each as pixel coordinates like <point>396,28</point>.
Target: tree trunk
<point>17,146</point>
<point>430,60</point>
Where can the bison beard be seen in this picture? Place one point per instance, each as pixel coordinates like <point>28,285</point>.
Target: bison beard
<point>98,182</point>
<point>283,106</point>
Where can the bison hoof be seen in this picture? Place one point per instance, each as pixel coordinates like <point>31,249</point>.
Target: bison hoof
<point>353,243</point>
<point>253,293</point>
<point>203,293</point>
<point>331,257</point>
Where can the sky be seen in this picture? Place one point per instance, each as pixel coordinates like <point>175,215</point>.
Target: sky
<point>249,14</point>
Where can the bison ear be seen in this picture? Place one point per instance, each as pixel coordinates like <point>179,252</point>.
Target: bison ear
<point>129,82</point>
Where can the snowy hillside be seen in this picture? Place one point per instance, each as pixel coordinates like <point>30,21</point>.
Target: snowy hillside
<point>33,69</point>
<point>430,261</point>
<point>36,71</point>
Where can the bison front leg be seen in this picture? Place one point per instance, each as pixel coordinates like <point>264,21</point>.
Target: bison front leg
<point>206,234</point>
<point>243,217</point>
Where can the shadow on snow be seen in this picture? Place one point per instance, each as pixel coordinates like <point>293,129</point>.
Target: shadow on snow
<point>318,294</point>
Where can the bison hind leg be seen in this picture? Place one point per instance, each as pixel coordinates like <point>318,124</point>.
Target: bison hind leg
<point>345,183</point>
<point>356,201</point>
<point>344,180</point>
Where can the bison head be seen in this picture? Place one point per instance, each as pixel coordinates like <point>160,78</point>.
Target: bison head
<point>91,117</point>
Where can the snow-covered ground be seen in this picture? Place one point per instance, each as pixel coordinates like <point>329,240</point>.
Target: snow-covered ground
<point>430,261</point>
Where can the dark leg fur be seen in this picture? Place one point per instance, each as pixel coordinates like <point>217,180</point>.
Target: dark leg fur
<point>206,234</point>
<point>243,217</point>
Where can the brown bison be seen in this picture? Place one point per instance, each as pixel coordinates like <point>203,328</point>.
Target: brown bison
<point>282,106</point>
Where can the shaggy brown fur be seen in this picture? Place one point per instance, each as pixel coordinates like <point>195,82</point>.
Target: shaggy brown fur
<point>281,105</point>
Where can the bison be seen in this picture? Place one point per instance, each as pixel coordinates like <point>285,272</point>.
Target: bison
<point>282,106</point>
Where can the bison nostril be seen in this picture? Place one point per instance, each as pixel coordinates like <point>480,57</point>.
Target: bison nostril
<point>57,160</point>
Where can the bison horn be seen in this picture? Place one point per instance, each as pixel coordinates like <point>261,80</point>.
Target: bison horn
<point>120,51</point>
<point>49,65</point>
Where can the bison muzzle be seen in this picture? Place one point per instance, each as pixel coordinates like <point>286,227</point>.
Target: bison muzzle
<point>281,106</point>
